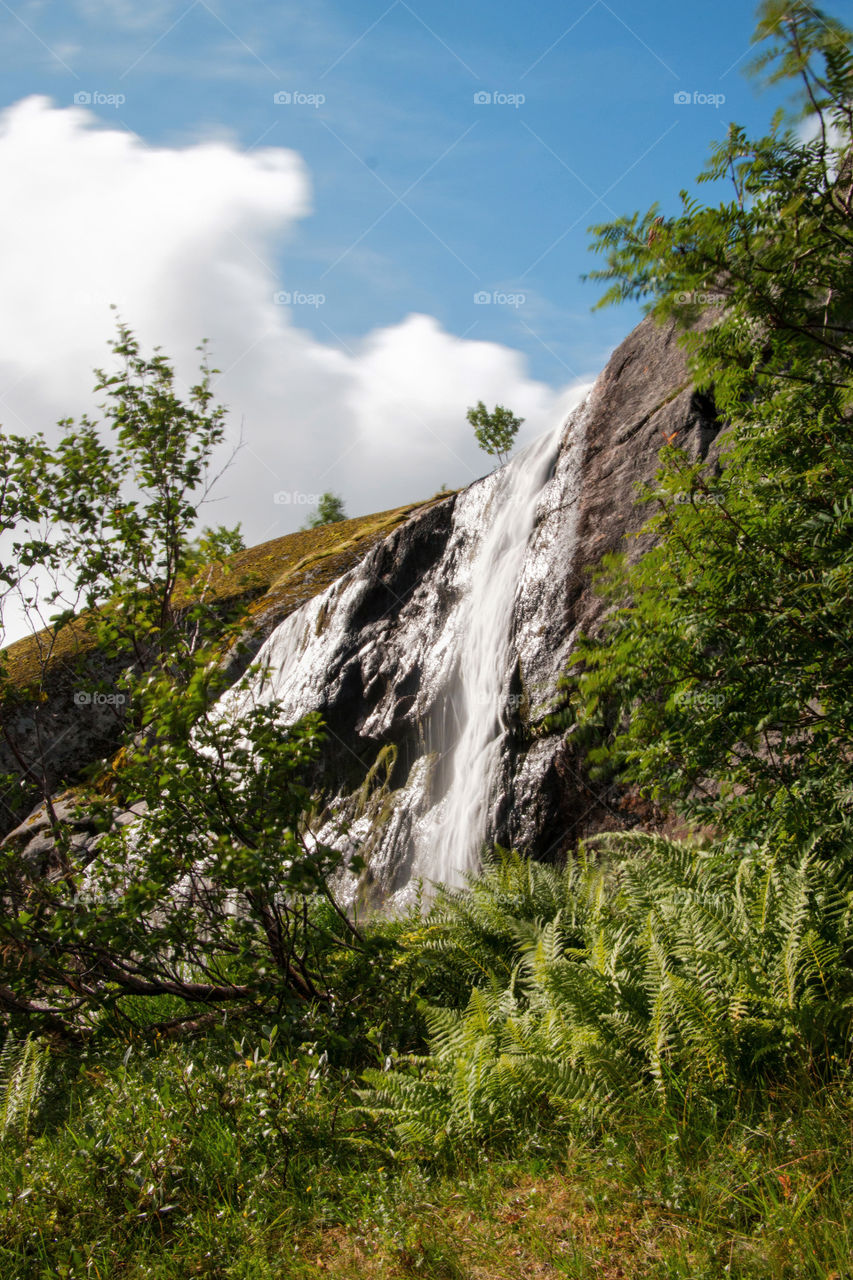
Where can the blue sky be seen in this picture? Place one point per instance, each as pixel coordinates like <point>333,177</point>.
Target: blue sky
<point>499,195</point>
<point>434,152</point>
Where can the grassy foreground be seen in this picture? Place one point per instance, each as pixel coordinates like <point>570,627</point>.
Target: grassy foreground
<point>269,1151</point>
<point>183,1163</point>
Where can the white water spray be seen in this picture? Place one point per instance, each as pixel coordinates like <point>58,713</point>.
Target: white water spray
<point>434,670</point>
<point>450,839</point>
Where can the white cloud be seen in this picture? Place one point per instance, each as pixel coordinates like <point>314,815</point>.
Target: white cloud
<point>808,130</point>
<point>185,241</point>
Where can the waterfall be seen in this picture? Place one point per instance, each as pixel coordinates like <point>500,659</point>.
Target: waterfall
<point>449,840</point>
<point>419,653</point>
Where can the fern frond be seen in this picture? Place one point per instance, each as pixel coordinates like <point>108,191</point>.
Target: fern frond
<point>23,1064</point>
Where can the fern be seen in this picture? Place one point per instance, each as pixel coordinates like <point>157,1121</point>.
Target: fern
<point>484,928</point>
<point>22,1072</point>
<point>672,967</point>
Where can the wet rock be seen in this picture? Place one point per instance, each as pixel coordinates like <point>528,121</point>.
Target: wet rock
<point>383,653</point>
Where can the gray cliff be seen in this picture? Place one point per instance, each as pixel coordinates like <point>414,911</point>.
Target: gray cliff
<point>380,651</point>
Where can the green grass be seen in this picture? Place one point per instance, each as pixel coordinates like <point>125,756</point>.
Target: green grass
<point>243,1161</point>
<point>265,1150</point>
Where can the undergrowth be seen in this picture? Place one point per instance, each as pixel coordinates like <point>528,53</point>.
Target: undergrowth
<point>305,1147</point>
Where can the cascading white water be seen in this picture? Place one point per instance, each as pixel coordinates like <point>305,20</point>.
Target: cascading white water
<point>449,841</point>
<point>425,662</point>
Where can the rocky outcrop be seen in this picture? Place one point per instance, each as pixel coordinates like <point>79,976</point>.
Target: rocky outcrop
<point>381,654</point>
<point>69,716</point>
<point>642,400</point>
<point>384,653</point>
<point>83,823</point>
<point>63,710</point>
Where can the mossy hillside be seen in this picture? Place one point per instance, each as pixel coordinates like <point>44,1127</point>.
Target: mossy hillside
<point>272,579</point>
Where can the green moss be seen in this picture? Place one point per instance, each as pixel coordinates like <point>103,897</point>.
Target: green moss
<point>377,782</point>
<point>274,578</point>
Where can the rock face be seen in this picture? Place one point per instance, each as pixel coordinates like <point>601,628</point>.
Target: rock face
<point>435,715</point>
<point>46,742</point>
<point>69,712</point>
<point>35,844</point>
<point>434,660</point>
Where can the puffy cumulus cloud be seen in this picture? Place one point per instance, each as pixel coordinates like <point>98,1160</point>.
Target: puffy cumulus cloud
<point>94,217</point>
<point>183,241</point>
<point>409,387</point>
